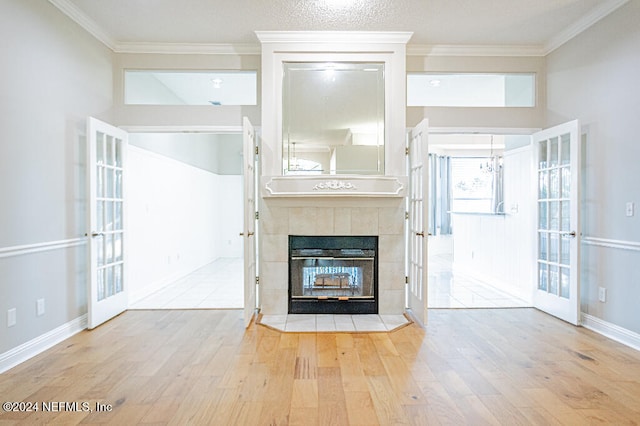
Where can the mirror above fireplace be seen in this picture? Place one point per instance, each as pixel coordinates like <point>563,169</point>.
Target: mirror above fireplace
<point>333,118</point>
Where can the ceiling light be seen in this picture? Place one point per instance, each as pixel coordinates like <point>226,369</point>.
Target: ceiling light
<point>434,83</point>
<point>217,83</point>
<point>337,4</point>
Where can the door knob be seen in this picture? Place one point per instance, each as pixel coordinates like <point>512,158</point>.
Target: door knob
<point>571,234</point>
<point>420,234</point>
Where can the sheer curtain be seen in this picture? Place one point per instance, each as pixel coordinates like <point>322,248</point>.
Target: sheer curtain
<point>497,190</point>
<point>439,194</point>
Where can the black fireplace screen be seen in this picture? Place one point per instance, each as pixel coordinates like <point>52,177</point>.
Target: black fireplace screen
<point>332,273</point>
<point>332,269</point>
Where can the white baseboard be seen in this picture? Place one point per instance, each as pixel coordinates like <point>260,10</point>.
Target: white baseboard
<point>41,343</point>
<point>612,331</point>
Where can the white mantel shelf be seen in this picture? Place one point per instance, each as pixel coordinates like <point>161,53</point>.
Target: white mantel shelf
<point>334,186</point>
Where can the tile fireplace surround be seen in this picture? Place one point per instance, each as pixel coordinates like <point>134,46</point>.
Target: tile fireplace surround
<point>281,217</point>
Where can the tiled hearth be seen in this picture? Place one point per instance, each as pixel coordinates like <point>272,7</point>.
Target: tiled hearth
<point>309,323</point>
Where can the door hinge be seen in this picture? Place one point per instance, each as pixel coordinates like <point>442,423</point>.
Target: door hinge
<point>257,215</point>
<point>257,150</point>
<point>406,151</point>
<point>257,279</point>
<point>406,215</point>
<point>406,279</point>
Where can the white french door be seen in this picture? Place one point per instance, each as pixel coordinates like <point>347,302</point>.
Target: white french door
<point>557,168</point>
<point>106,159</point>
<point>418,221</point>
<point>248,233</point>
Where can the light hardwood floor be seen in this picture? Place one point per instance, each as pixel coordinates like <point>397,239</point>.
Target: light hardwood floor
<point>508,366</point>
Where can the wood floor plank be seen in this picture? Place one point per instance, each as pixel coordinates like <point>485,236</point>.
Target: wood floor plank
<point>201,367</point>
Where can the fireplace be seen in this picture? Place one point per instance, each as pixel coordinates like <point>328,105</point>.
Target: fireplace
<point>333,274</point>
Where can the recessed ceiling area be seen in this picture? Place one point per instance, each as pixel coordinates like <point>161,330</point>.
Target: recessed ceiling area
<point>541,24</point>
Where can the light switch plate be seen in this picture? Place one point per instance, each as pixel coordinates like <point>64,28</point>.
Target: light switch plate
<point>11,317</point>
<point>40,307</point>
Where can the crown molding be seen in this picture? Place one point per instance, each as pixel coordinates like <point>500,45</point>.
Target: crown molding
<point>473,50</point>
<point>334,36</point>
<point>189,48</point>
<point>80,18</point>
<point>604,9</point>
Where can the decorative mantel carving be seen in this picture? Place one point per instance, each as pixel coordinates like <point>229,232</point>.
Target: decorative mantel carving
<point>335,185</point>
<point>347,186</point>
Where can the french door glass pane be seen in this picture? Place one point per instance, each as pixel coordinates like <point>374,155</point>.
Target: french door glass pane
<point>100,182</point>
<point>100,250</point>
<point>117,246</point>
<point>554,220</point>
<point>553,279</point>
<point>543,250</point>
<point>108,216</point>
<point>542,215</point>
<point>553,247</point>
<point>118,153</point>
<point>554,183</point>
<point>110,151</point>
<point>100,216</point>
<point>565,288</point>
<point>543,184</point>
<point>110,181</point>
<point>553,152</point>
<point>100,148</point>
<point>118,278</point>
<point>109,281</point>
<point>118,184</point>
<point>108,246</point>
<point>566,182</point>
<point>118,215</point>
<point>564,250</point>
<point>565,216</point>
<point>542,155</point>
<point>543,277</point>
<point>100,285</point>
<point>565,149</point>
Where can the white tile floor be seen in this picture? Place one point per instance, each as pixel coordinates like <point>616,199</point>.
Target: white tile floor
<point>450,290</point>
<point>218,285</point>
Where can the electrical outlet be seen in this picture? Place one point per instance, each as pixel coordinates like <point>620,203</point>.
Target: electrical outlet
<point>602,294</point>
<point>630,209</point>
<point>11,317</point>
<point>40,307</point>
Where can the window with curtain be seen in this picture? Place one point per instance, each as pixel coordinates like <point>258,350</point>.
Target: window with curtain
<point>476,184</point>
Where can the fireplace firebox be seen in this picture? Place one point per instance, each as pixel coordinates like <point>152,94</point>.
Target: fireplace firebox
<point>333,274</point>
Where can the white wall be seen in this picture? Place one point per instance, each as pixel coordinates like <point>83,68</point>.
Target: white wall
<point>53,76</point>
<point>594,78</point>
<point>180,218</point>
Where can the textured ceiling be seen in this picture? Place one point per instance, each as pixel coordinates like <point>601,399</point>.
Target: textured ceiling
<point>433,22</point>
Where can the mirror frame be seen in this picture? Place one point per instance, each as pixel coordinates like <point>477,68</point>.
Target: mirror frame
<point>333,46</point>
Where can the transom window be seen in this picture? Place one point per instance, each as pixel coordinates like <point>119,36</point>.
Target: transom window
<point>471,90</point>
<point>162,87</point>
